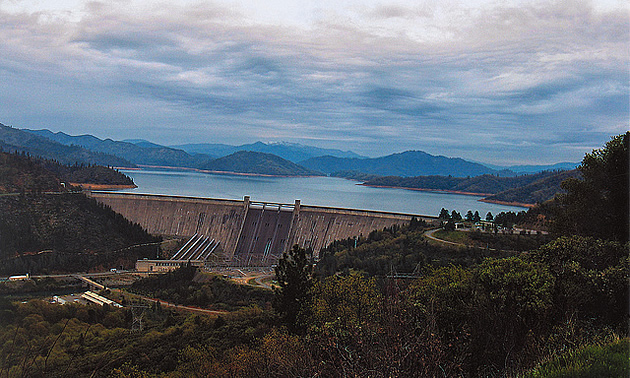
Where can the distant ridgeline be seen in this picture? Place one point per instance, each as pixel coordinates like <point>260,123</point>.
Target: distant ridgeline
<point>278,159</point>
<point>16,140</point>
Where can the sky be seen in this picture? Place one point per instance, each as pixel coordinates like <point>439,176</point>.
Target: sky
<point>500,82</point>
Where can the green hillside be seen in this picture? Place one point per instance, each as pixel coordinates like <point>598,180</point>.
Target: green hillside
<point>537,191</point>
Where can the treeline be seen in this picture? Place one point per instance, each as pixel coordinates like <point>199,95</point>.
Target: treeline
<point>21,173</point>
<point>44,233</point>
<point>87,174</point>
<point>188,286</point>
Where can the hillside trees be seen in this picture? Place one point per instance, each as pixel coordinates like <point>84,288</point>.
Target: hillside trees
<point>75,232</point>
<point>591,278</point>
<point>597,205</point>
<point>293,274</point>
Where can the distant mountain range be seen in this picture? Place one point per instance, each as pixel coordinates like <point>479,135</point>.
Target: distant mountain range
<point>140,155</point>
<point>12,139</point>
<point>277,156</point>
<point>290,151</point>
<point>405,164</point>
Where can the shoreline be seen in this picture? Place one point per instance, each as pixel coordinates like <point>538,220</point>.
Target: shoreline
<point>207,171</point>
<point>89,186</point>
<point>496,202</point>
<point>429,190</point>
<point>507,203</point>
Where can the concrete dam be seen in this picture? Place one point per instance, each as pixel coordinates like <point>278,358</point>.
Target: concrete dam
<point>249,233</point>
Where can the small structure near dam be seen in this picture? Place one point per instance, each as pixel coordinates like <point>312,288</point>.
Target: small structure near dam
<point>247,233</point>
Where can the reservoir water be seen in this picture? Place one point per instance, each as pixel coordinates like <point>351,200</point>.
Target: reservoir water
<point>318,191</point>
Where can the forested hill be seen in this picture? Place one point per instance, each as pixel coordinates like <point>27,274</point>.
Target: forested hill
<point>258,163</point>
<point>66,232</point>
<point>405,164</point>
<point>26,174</point>
<point>61,231</point>
<point>537,191</point>
<point>526,189</point>
<point>12,140</point>
<point>20,173</point>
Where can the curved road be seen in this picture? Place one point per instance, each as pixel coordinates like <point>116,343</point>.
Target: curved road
<point>173,305</point>
<point>429,235</point>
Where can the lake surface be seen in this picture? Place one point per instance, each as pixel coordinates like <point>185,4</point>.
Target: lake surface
<point>318,191</point>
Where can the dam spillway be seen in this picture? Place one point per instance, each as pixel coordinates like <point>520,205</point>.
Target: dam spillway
<point>250,233</point>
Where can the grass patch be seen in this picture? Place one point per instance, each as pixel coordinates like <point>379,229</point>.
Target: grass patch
<point>453,236</point>
<point>596,361</point>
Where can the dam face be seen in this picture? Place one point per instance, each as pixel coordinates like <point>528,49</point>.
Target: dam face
<point>249,233</point>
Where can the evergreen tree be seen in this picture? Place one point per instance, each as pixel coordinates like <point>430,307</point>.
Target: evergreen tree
<point>476,217</point>
<point>444,215</point>
<point>293,274</point>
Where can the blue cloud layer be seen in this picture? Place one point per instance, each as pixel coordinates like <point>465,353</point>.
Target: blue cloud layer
<point>533,83</point>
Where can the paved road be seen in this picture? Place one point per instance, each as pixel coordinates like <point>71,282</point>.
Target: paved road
<point>260,282</point>
<point>429,235</point>
<point>173,305</point>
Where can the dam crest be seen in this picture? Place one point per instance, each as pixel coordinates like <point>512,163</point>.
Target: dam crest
<point>249,233</point>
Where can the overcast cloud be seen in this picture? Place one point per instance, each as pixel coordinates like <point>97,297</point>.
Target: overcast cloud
<point>509,82</point>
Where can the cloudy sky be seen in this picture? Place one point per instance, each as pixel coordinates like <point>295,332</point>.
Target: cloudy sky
<point>502,82</point>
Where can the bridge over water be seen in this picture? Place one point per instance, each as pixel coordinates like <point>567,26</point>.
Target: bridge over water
<point>249,233</point>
